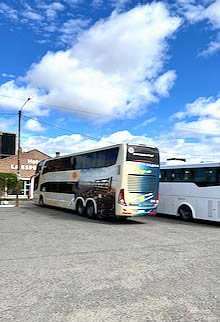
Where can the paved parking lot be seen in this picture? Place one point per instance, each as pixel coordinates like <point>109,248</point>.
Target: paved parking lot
<point>57,266</point>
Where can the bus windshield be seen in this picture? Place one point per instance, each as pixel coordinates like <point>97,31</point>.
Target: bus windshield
<point>142,154</point>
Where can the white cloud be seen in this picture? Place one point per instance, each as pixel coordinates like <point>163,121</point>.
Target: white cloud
<point>9,11</point>
<point>205,127</point>
<point>7,75</point>
<point>212,13</point>
<point>76,143</point>
<point>34,126</point>
<point>97,3</point>
<point>73,2</point>
<point>114,68</point>
<point>196,11</point>
<point>199,119</point>
<point>204,150</point>
<point>7,124</point>
<point>213,47</point>
<point>51,9</point>
<point>165,82</point>
<point>70,28</point>
<point>13,97</point>
<point>146,122</point>
<point>120,4</point>
<point>29,14</point>
<point>202,107</point>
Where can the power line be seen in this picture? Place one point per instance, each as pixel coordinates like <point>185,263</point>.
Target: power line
<point>106,115</point>
<point>61,128</point>
<point>2,113</point>
<point>61,107</point>
<point>97,139</point>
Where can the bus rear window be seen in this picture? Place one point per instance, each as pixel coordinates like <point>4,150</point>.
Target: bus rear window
<point>142,154</point>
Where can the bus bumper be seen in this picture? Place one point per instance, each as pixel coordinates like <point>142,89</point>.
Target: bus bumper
<point>132,212</point>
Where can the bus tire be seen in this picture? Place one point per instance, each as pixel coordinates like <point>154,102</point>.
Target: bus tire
<point>185,213</point>
<point>80,208</point>
<point>90,210</point>
<point>41,201</point>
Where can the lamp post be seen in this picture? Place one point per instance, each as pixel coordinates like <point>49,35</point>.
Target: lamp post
<point>19,150</point>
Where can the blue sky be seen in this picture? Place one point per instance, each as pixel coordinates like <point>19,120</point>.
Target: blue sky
<point>103,72</point>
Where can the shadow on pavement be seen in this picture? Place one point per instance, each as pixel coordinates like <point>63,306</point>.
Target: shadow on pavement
<point>178,220</point>
<point>66,214</point>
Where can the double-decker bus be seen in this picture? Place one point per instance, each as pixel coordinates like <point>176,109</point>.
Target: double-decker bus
<point>191,191</point>
<point>120,180</point>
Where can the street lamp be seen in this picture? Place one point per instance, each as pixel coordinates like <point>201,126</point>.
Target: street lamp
<point>19,150</point>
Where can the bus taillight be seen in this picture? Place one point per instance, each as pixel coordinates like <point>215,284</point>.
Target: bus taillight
<point>121,198</point>
<point>157,198</point>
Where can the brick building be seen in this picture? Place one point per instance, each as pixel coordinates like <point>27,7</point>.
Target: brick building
<point>28,165</point>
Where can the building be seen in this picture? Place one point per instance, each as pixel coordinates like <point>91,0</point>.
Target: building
<point>28,165</point>
<point>7,144</point>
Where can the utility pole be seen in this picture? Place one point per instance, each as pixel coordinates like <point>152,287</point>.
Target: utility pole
<point>19,150</point>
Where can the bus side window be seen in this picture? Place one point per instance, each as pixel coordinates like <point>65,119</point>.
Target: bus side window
<point>90,160</point>
<point>200,176</point>
<point>167,175</point>
<point>162,175</point>
<point>177,175</point>
<point>211,175</point>
<point>36,182</point>
<point>188,175</point>
<point>73,163</point>
<point>205,176</point>
<point>218,175</point>
<point>111,156</point>
<point>79,162</point>
<point>101,156</point>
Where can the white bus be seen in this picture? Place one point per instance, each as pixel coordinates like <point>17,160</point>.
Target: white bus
<point>191,191</point>
<point>119,180</point>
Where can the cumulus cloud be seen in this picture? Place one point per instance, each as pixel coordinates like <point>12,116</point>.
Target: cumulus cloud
<point>7,124</point>
<point>202,107</point>
<point>9,11</point>
<point>76,143</point>
<point>7,75</point>
<point>71,28</point>
<point>204,10</point>
<point>115,67</point>
<point>13,96</point>
<point>146,122</point>
<point>169,146</point>
<point>213,47</point>
<point>202,126</point>
<point>200,118</point>
<point>34,126</point>
<point>165,82</point>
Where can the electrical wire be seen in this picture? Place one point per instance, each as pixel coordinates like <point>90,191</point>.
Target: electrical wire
<point>97,139</point>
<point>60,107</point>
<point>61,128</point>
<point>111,116</point>
<point>2,113</point>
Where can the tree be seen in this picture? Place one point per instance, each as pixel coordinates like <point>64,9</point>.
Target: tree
<point>7,181</point>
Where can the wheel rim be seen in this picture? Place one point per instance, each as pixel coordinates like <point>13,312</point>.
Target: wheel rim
<point>185,214</point>
<point>90,211</point>
<point>80,208</point>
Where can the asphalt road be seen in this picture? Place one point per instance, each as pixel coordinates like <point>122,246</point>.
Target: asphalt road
<point>57,266</point>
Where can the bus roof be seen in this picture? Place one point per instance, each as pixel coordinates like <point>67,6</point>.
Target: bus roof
<point>99,149</point>
<point>192,165</point>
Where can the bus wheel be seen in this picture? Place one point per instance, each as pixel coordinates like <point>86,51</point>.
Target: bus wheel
<point>80,208</point>
<point>41,201</point>
<point>90,210</point>
<point>185,213</point>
